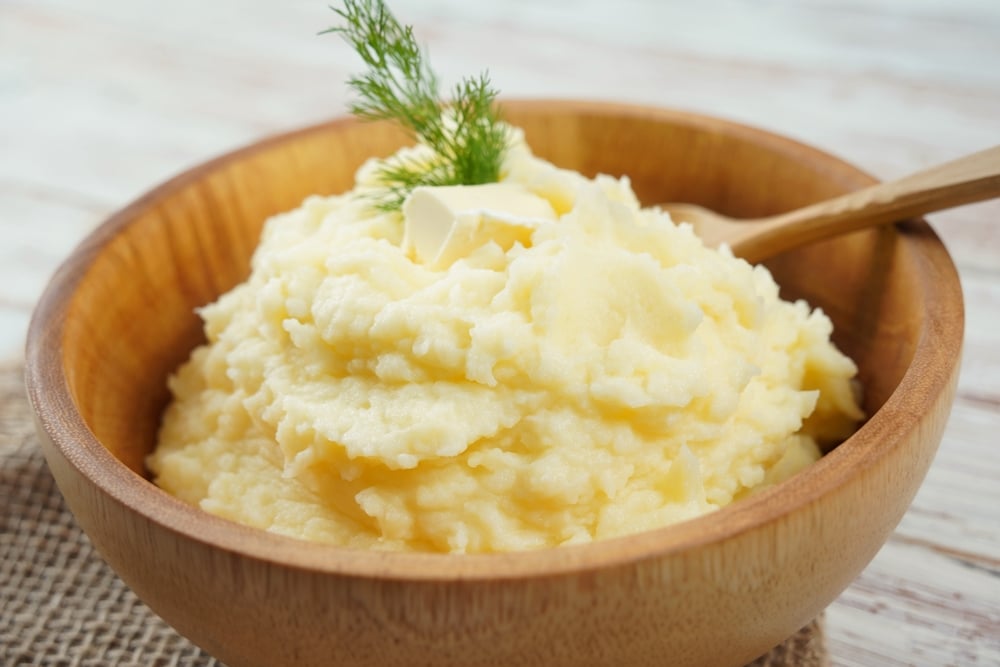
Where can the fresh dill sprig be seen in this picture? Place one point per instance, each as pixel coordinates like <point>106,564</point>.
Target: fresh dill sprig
<point>465,134</point>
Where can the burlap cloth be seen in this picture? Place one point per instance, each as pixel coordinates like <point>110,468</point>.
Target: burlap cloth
<point>60,604</point>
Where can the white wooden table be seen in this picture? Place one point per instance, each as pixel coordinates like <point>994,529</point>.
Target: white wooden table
<point>102,99</point>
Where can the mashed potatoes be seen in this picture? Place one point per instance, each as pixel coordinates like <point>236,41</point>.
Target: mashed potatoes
<point>585,372</point>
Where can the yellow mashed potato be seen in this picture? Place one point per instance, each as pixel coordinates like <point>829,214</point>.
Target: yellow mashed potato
<point>603,374</point>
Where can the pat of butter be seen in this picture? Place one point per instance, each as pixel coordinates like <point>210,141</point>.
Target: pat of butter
<point>445,223</point>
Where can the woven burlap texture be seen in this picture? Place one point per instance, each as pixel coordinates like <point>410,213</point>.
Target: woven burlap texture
<point>60,604</point>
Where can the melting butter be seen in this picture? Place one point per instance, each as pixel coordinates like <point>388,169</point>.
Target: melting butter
<point>443,224</point>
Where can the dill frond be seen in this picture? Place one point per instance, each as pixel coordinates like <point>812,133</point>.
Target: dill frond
<point>466,133</point>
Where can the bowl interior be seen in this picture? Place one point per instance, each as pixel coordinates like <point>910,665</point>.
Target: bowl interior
<point>131,320</point>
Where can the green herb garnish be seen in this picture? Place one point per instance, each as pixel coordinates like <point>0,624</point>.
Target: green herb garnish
<point>465,134</point>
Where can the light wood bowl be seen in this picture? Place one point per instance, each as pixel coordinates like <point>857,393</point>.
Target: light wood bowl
<point>720,590</point>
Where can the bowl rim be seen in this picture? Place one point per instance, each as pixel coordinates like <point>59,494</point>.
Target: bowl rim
<point>935,361</point>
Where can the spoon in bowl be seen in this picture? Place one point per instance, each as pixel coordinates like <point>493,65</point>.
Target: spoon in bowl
<point>966,180</point>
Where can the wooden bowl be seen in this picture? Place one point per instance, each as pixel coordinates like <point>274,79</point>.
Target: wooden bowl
<point>719,590</point>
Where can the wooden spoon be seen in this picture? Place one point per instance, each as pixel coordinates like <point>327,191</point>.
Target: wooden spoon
<point>966,180</point>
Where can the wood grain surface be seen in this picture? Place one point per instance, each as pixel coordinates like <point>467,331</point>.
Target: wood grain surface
<point>99,101</point>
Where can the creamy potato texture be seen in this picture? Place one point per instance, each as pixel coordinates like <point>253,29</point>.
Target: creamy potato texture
<point>595,372</point>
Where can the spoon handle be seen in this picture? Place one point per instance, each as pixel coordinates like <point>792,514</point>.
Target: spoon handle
<point>966,180</point>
